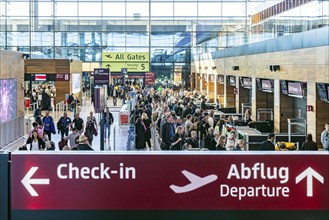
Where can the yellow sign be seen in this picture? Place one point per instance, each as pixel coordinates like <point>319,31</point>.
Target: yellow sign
<point>133,61</point>
<point>125,57</point>
<point>131,67</point>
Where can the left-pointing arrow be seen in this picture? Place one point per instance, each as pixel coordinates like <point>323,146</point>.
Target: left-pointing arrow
<point>27,181</point>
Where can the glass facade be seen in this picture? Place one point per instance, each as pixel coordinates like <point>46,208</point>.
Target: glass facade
<point>169,30</point>
<point>80,29</point>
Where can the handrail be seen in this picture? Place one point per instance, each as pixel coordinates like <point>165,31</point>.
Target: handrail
<point>59,107</point>
<point>265,111</point>
<point>297,122</point>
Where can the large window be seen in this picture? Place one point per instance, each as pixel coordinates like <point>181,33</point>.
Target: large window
<point>82,29</point>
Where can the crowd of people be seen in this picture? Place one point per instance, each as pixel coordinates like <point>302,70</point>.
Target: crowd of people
<point>75,133</point>
<point>180,120</point>
<point>42,94</point>
<point>162,118</point>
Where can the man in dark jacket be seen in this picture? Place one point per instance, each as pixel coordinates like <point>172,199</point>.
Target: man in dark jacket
<point>167,132</point>
<point>268,145</point>
<point>208,138</point>
<point>63,125</point>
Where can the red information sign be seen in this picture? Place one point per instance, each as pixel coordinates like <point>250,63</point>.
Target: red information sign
<point>223,181</point>
<point>62,77</point>
<point>149,79</point>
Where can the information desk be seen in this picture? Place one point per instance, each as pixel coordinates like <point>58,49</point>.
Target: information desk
<point>187,185</point>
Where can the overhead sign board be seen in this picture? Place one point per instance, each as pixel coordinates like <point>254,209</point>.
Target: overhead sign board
<point>125,57</point>
<point>205,182</point>
<point>132,61</point>
<point>101,76</point>
<point>131,67</point>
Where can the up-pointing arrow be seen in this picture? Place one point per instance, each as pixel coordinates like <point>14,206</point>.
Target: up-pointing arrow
<point>27,181</point>
<point>309,173</point>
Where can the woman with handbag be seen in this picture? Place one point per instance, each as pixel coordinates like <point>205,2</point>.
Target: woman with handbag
<point>91,128</point>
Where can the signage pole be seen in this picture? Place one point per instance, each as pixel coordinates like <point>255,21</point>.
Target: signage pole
<point>101,136</point>
<point>4,186</point>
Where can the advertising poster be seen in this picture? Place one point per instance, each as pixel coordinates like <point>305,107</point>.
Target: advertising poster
<point>76,83</point>
<point>8,99</point>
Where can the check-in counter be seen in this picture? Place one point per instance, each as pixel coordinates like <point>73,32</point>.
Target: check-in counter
<point>253,138</point>
<point>236,116</point>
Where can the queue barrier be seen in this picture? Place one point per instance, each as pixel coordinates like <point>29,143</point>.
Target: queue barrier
<point>35,185</point>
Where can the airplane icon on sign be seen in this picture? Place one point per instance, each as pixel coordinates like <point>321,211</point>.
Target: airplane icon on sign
<point>196,182</point>
<point>108,56</point>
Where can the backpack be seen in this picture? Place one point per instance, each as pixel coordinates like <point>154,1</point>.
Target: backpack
<point>60,125</point>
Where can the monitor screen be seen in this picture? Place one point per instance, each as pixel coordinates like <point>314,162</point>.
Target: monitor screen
<point>8,99</point>
<point>232,80</point>
<point>246,82</point>
<point>295,88</point>
<point>284,89</point>
<point>212,77</point>
<point>266,85</point>
<point>220,79</point>
<point>322,91</point>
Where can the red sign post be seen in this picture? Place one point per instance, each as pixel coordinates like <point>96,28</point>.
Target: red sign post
<point>170,181</point>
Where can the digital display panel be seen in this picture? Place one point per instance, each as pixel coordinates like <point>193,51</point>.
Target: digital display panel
<point>232,80</point>
<point>8,99</point>
<point>295,88</point>
<point>220,79</point>
<point>322,91</point>
<point>266,85</point>
<point>246,82</point>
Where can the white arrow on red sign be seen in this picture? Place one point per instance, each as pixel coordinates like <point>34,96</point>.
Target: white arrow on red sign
<point>309,173</point>
<point>27,181</point>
